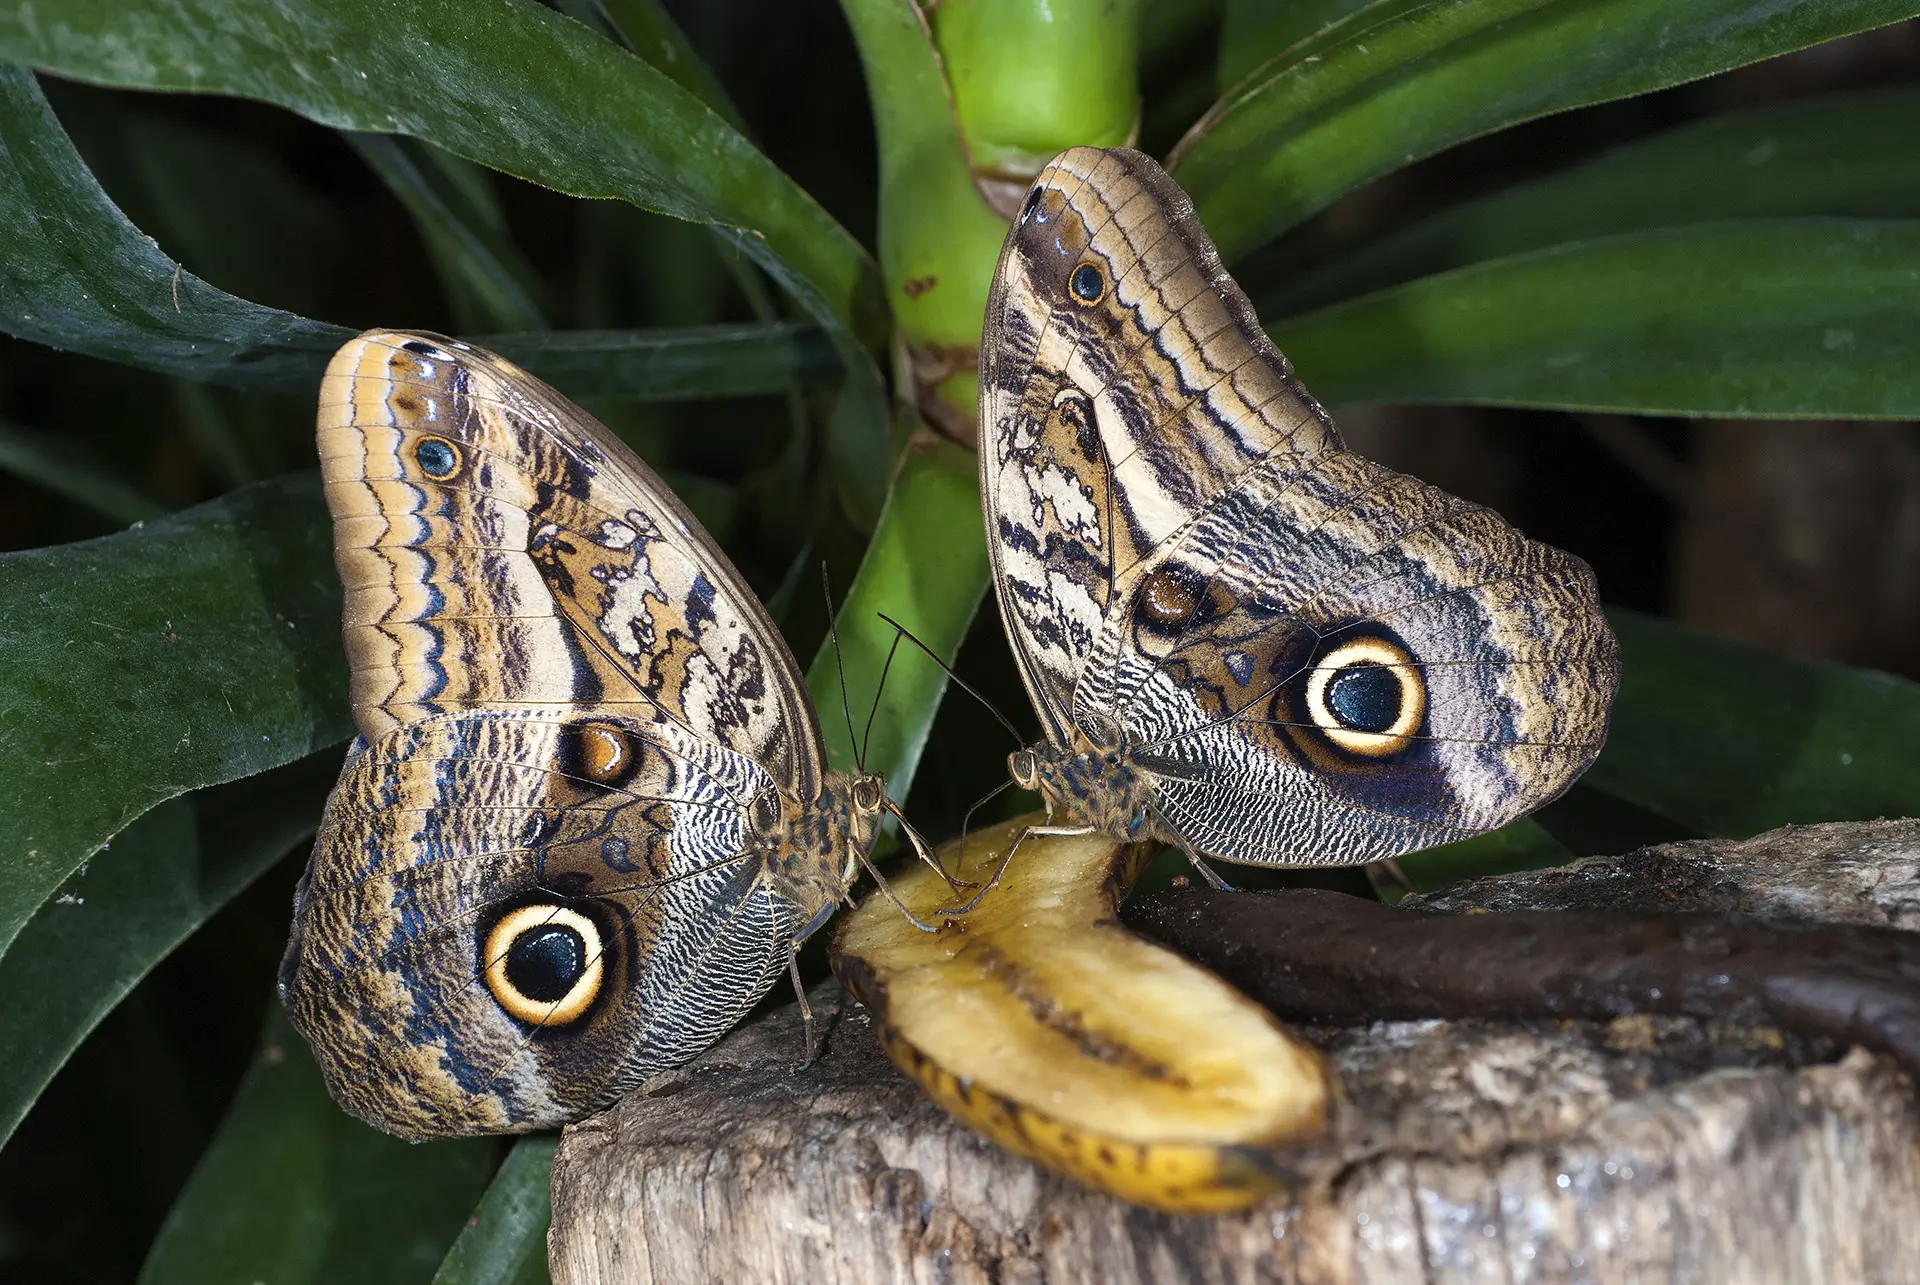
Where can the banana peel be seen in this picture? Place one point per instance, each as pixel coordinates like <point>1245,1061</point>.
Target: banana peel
<point>1041,1022</point>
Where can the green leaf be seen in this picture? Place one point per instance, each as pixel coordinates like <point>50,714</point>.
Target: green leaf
<point>521,89</point>
<point>1747,318</point>
<point>186,652</point>
<point>681,363</point>
<point>128,907</point>
<point>1252,31</point>
<point>293,1190</point>
<point>452,204</point>
<point>1729,739</point>
<point>505,1242</point>
<point>65,470</point>
<point>1403,79</point>
<point>1843,155</point>
<point>927,568</point>
<point>82,277</point>
<point>646,29</point>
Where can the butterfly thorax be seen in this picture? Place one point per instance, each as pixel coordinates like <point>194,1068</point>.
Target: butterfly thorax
<point>811,848</point>
<point>1088,785</point>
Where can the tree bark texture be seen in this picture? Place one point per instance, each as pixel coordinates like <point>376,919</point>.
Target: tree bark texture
<point>1645,1148</point>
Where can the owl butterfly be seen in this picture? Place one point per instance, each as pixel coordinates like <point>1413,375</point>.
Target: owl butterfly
<point>587,817</point>
<point>1242,638</point>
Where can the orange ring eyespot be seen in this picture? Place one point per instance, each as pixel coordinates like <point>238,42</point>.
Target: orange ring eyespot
<point>1367,696</point>
<point>544,963</point>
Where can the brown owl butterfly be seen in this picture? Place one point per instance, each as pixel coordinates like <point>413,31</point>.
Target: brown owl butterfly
<point>588,816</point>
<point>1241,637</point>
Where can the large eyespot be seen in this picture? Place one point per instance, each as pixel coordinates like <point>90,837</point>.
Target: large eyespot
<point>600,753</point>
<point>1367,696</point>
<point>543,963</point>
<point>436,456</point>
<point>1087,284</point>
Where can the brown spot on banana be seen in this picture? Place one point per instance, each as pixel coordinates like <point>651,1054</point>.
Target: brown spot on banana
<point>1045,1025</point>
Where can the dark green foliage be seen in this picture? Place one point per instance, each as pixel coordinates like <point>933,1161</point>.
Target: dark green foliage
<point>173,694</point>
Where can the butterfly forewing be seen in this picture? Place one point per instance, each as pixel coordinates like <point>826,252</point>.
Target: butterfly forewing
<point>561,856</point>
<point>1305,657</point>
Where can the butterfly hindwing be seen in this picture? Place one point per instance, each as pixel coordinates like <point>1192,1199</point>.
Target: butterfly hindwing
<point>587,814</point>
<point>1288,653</point>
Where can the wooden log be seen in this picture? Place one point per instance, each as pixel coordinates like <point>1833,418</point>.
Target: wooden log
<point>1641,1149</point>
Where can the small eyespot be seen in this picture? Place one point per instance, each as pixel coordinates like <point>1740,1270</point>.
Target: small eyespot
<point>436,456</point>
<point>424,349</point>
<point>600,753</point>
<point>1367,696</point>
<point>543,963</point>
<point>1088,283</point>
<point>1032,204</point>
<point>1170,596</point>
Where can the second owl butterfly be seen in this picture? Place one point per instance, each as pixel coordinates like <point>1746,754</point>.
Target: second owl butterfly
<point>1241,637</point>
<point>588,814</point>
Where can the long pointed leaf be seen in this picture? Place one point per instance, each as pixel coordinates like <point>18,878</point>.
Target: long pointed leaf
<point>1402,79</point>
<point>505,1242</point>
<point>294,1191</point>
<point>162,878</point>
<point>518,87</point>
<point>1748,318</point>
<point>189,651</point>
<point>1729,739</point>
<point>1845,155</point>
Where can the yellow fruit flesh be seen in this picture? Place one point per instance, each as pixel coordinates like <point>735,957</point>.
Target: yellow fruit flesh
<point>1042,1023</point>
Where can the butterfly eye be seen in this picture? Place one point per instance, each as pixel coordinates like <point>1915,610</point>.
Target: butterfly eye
<point>867,794</point>
<point>1024,769</point>
<point>1087,283</point>
<point>600,753</point>
<point>543,963</point>
<point>436,456</point>
<point>1367,696</point>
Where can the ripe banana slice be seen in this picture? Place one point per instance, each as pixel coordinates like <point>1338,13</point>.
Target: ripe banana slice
<point>1042,1023</point>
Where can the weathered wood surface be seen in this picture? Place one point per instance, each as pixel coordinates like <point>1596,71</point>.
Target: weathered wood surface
<point>1643,1149</point>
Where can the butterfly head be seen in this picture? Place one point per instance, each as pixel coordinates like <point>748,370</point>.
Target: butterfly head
<point>1097,784</point>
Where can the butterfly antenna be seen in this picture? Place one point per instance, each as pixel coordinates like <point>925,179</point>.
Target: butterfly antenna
<point>903,632</point>
<point>840,663</point>
<point>966,822</point>
<point>867,735</point>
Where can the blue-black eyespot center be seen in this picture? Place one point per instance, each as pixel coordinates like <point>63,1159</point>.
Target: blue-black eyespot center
<point>436,456</point>
<point>545,963</point>
<point>1365,697</point>
<point>1087,283</point>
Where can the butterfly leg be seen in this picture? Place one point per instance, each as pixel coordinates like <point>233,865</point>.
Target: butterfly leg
<point>806,1009</point>
<point>1206,871</point>
<point>1033,832</point>
<point>1386,876</point>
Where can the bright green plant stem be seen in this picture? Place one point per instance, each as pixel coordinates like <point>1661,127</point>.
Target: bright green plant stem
<point>938,240</point>
<point>1030,77</point>
<point>926,567</point>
